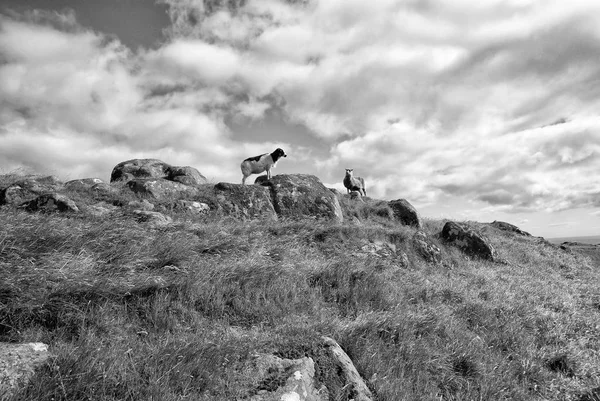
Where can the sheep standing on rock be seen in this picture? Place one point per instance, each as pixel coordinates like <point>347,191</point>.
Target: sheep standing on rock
<point>354,183</point>
<point>260,163</point>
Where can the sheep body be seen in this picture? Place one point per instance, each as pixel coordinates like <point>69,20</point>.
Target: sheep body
<point>354,183</point>
<point>261,163</point>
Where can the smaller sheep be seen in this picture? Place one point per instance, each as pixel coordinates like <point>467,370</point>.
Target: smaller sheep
<point>354,183</point>
<point>261,163</point>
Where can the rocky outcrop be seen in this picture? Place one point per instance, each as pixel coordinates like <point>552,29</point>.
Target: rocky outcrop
<point>406,213</point>
<point>50,203</point>
<point>83,184</point>
<point>354,381</point>
<point>18,363</point>
<point>156,169</point>
<point>425,247</point>
<point>192,206</point>
<point>287,380</point>
<point>501,225</point>
<point>244,201</point>
<point>303,195</point>
<point>27,188</point>
<point>468,240</point>
<point>160,189</point>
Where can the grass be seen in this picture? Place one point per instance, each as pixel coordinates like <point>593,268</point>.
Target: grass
<point>177,313</point>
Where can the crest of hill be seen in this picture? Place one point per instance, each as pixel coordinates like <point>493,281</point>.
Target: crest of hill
<point>223,291</point>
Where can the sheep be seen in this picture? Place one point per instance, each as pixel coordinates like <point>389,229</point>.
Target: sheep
<point>354,183</point>
<point>260,163</point>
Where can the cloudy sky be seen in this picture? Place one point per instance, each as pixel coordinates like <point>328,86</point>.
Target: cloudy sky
<point>486,110</point>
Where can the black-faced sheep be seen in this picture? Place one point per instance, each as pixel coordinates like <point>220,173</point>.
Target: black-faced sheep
<point>261,163</point>
<point>354,183</point>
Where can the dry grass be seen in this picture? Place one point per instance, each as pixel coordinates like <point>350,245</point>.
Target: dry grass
<point>177,313</point>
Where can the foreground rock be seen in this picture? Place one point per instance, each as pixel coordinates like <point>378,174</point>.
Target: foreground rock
<point>50,203</point>
<point>426,248</point>
<point>156,169</point>
<point>353,380</point>
<point>18,363</point>
<point>406,213</point>
<point>469,241</point>
<point>501,225</point>
<point>295,375</point>
<point>303,195</point>
<point>28,188</point>
<point>244,201</point>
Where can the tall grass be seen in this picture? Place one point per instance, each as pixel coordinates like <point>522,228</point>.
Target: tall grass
<point>132,312</point>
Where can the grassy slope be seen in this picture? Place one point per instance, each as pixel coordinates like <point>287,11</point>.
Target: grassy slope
<point>178,313</point>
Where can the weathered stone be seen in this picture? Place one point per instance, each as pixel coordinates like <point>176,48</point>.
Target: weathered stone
<point>141,205</point>
<point>100,209</point>
<point>425,247</point>
<point>154,168</point>
<point>27,188</point>
<point>406,213</point>
<point>501,225</point>
<point>83,183</point>
<point>51,203</point>
<point>303,195</point>
<point>355,195</point>
<point>153,219</point>
<point>159,188</point>
<point>244,201</point>
<point>354,381</point>
<point>18,363</point>
<point>297,376</point>
<point>469,241</point>
<point>379,249</point>
<point>192,206</point>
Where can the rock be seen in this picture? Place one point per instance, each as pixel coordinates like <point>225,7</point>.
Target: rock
<point>244,201</point>
<point>469,241</point>
<point>353,380</point>
<point>404,262</point>
<point>100,209</point>
<point>261,180</point>
<point>426,248</point>
<point>356,195</point>
<point>83,183</point>
<point>103,188</point>
<point>154,219</point>
<point>154,169</point>
<point>27,188</point>
<point>295,375</point>
<point>303,195</point>
<point>160,189</point>
<point>501,225</point>
<point>18,363</point>
<point>50,203</point>
<point>141,205</point>
<point>379,249</point>
<point>192,206</point>
<point>406,213</point>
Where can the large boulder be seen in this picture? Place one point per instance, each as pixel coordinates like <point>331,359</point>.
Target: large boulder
<point>244,201</point>
<point>27,188</point>
<point>303,195</point>
<point>52,202</point>
<point>469,241</point>
<point>501,225</point>
<point>406,213</point>
<point>160,188</point>
<point>18,363</point>
<point>155,169</point>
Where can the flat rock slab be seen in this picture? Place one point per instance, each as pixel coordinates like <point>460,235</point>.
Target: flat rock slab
<point>18,363</point>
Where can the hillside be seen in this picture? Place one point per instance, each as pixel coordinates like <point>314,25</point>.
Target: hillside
<point>182,303</point>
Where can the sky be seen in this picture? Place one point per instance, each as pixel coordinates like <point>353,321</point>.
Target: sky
<point>481,111</point>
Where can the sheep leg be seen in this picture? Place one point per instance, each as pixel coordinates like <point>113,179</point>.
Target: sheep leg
<point>244,180</point>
